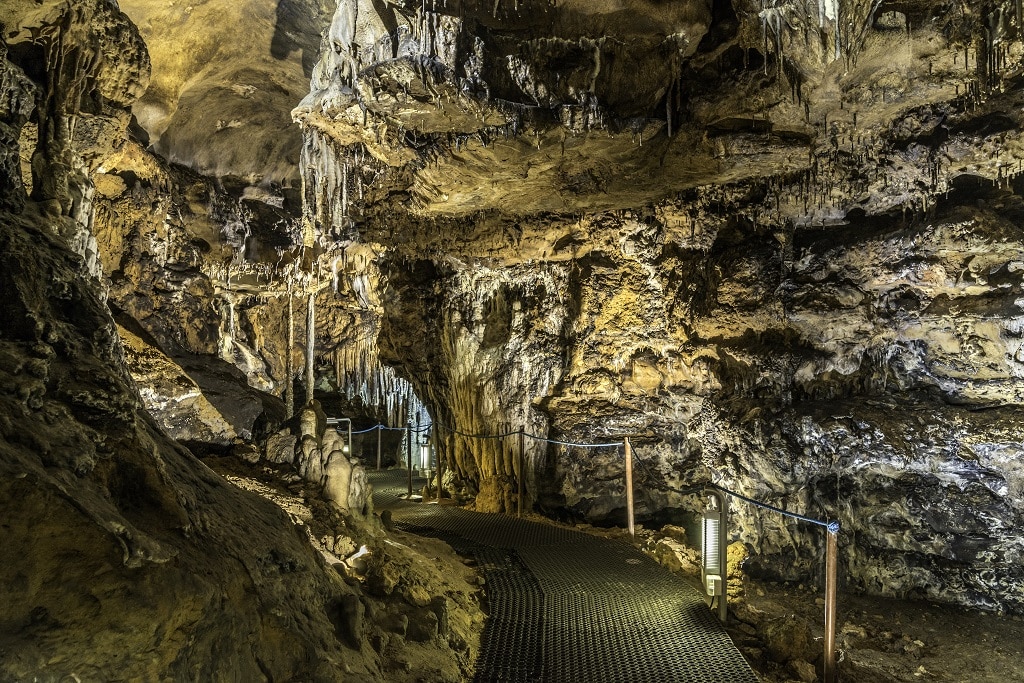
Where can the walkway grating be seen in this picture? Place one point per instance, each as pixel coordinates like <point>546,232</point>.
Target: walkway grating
<point>570,607</point>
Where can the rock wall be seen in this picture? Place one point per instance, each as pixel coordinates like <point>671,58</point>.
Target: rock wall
<point>123,555</point>
<point>788,266</point>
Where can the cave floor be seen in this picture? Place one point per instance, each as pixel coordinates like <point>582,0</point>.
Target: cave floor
<point>889,640</point>
<point>569,606</point>
<point>881,640</point>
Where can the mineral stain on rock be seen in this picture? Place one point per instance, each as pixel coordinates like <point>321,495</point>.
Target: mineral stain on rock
<point>777,244</point>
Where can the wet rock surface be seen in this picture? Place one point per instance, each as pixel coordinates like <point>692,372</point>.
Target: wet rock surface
<point>798,292</point>
<point>776,243</point>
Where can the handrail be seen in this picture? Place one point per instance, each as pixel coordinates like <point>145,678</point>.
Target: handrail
<point>831,526</point>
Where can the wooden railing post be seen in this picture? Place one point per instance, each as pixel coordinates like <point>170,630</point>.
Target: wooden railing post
<point>522,472</point>
<point>831,561</point>
<point>629,485</point>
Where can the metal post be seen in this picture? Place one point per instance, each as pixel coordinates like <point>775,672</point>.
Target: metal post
<point>723,604</point>
<point>408,452</point>
<point>310,345</point>
<point>350,448</point>
<point>289,370</point>
<point>380,428</point>
<point>629,486</point>
<point>522,472</point>
<point>419,455</point>
<point>437,458</point>
<point>830,605</point>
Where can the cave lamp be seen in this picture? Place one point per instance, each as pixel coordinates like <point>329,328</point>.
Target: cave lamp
<point>714,542</point>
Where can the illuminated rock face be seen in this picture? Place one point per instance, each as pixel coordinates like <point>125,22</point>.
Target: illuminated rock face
<point>786,265</point>
<point>779,252</point>
<point>122,554</point>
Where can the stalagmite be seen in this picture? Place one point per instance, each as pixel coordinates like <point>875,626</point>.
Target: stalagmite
<point>226,344</point>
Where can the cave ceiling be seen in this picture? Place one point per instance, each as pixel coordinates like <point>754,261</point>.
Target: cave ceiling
<point>536,107</point>
<point>225,77</point>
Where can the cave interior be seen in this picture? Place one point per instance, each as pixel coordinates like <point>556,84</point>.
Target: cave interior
<point>255,250</point>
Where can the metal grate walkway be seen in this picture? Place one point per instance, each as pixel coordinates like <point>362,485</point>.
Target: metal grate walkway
<point>567,606</point>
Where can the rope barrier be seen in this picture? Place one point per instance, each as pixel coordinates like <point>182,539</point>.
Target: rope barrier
<point>572,444</point>
<point>457,432</point>
<point>529,435</point>
<point>366,431</point>
<point>832,527</point>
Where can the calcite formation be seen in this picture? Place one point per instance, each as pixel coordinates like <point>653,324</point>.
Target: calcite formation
<point>766,240</point>
<point>123,555</point>
<point>787,264</point>
<point>775,242</point>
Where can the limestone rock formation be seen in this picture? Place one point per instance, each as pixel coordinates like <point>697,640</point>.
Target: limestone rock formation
<point>787,264</point>
<point>776,243</point>
<point>123,553</point>
<point>226,75</point>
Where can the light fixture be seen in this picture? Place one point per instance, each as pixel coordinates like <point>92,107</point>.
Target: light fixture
<point>714,550</point>
<point>333,422</point>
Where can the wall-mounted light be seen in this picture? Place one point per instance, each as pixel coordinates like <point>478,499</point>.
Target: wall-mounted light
<point>714,548</point>
<point>347,449</point>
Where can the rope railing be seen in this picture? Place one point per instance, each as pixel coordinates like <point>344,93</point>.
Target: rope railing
<point>528,435</point>
<point>485,437</point>
<point>572,444</point>
<point>367,431</point>
<point>832,526</point>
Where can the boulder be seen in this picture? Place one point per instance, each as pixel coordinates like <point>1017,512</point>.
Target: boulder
<point>280,448</point>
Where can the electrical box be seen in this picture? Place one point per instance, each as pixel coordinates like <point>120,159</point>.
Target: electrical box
<point>713,585</point>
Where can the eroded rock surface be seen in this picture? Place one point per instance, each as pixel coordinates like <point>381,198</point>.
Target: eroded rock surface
<point>777,243</point>
<point>124,556</point>
<point>122,552</point>
<point>789,265</point>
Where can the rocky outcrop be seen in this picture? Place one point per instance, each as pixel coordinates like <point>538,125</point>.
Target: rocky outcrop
<point>124,555</point>
<point>225,77</point>
<point>94,65</point>
<point>786,266</point>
